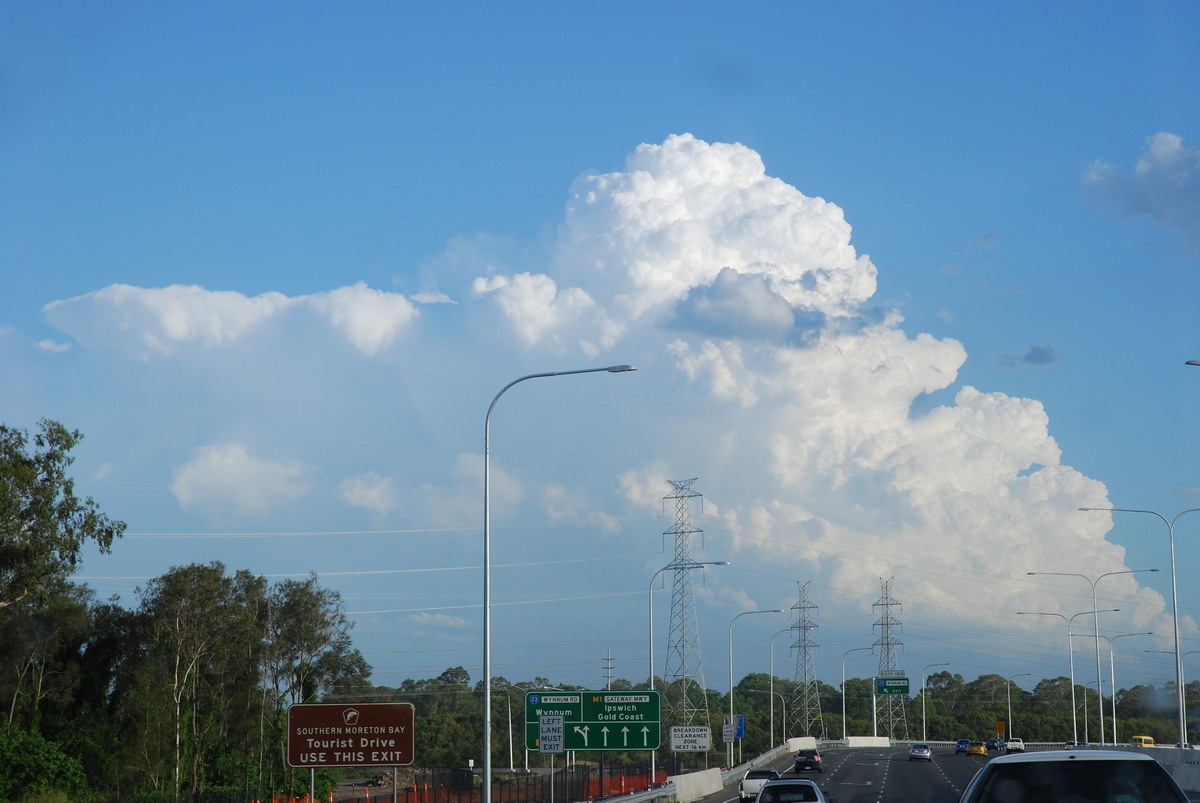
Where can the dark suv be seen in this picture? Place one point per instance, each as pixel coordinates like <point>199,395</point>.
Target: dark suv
<point>808,760</point>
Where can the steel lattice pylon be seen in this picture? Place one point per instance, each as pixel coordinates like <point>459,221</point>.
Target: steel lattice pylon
<point>806,701</point>
<point>686,703</point>
<point>889,717</point>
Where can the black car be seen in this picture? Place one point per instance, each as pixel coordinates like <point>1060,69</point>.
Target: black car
<point>808,760</point>
<point>994,744</point>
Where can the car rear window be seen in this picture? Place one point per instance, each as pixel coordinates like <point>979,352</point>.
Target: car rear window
<point>1124,781</point>
<point>788,793</point>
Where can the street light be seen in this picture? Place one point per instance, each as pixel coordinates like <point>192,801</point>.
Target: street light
<point>487,564</point>
<point>782,702</point>
<point>669,566</point>
<point>847,652</point>
<point>1181,657</point>
<point>924,674</point>
<point>784,728</point>
<point>1182,710</point>
<point>1112,678</point>
<point>1100,702</point>
<point>1008,688</point>
<point>1070,656</point>
<point>739,616</point>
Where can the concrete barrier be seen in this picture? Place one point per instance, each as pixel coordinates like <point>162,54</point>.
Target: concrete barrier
<point>868,741</point>
<point>695,785</point>
<point>1184,765</point>
<point>802,743</point>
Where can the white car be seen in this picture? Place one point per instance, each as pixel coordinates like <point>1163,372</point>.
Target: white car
<point>791,790</point>
<point>1014,746</point>
<point>753,780</point>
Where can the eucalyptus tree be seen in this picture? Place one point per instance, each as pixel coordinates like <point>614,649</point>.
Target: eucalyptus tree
<point>41,641</point>
<point>200,624</point>
<point>306,653</point>
<point>308,648</point>
<point>43,524</point>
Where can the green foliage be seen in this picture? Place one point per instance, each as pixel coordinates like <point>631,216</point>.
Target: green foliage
<point>30,765</point>
<point>43,525</point>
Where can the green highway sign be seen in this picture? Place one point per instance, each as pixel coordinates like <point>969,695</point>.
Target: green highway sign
<point>891,685</point>
<point>597,720</point>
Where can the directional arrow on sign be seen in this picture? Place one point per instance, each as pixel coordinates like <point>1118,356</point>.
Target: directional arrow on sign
<point>606,712</point>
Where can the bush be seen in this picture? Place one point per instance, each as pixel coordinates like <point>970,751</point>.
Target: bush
<point>32,768</point>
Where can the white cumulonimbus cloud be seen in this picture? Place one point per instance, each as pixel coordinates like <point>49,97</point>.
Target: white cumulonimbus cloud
<point>827,438</point>
<point>758,295</point>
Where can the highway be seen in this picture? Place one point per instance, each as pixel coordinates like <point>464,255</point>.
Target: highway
<point>884,775</point>
<point>871,775</point>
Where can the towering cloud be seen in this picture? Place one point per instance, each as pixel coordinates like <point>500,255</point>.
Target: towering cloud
<point>831,443</point>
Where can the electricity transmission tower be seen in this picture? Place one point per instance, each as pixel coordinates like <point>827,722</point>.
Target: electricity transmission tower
<point>889,717</point>
<point>806,700</point>
<point>686,702</point>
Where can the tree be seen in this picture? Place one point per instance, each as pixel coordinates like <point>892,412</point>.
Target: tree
<point>308,642</point>
<point>43,525</point>
<point>200,655</point>
<point>40,644</point>
<point>307,650</point>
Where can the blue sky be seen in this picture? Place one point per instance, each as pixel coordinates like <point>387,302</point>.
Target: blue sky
<point>905,286</point>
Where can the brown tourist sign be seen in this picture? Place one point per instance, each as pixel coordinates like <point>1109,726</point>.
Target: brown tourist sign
<point>350,734</point>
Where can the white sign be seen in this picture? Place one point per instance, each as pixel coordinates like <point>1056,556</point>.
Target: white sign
<point>691,738</point>
<point>729,732</point>
<point>551,734</point>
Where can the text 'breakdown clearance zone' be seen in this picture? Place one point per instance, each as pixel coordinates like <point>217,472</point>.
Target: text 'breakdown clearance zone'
<point>597,720</point>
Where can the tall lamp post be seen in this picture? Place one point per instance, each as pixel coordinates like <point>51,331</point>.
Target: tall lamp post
<point>1181,657</point>
<point>669,566</point>
<point>1182,708</point>
<point>924,675</point>
<point>782,702</point>
<point>739,616</point>
<point>1112,678</point>
<point>1008,688</point>
<point>847,652</point>
<point>487,564</point>
<point>784,729</point>
<point>1070,656</point>
<point>1092,583</point>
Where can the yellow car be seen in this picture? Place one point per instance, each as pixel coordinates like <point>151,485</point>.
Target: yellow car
<point>976,749</point>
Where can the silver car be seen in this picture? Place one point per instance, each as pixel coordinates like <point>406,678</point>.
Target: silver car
<point>1109,775</point>
<point>920,752</point>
